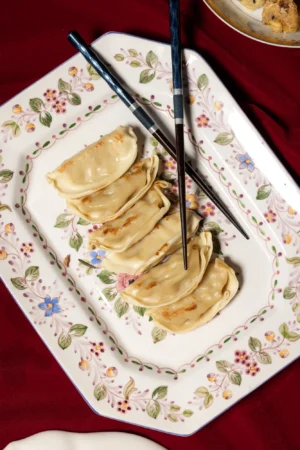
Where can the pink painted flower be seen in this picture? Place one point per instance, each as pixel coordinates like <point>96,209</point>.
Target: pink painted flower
<point>252,368</point>
<point>50,95</point>
<point>26,249</point>
<point>124,406</point>
<point>97,348</point>
<point>170,164</point>
<point>202,121</point>
<point>241,357</point>
<point>270,216</point>
<point>59,106</point>
<point>124,280</point>
<point>208,209</point>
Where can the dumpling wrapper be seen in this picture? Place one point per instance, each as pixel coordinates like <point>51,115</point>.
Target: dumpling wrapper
<point>97,166</point>
<point>114,200</point>
<point>120,234</point>
<point>217,288</point>
<point>164,239</point>
<point>169,282</point>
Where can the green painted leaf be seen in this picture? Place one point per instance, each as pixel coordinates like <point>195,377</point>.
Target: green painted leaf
<point>151,59</point>
<point>110,294</point>
<point>107,277</point>
<point>100,391</point>
<point>174,408</point>
<point>153,141</point>
<point>78,329</point>
<point>153,408</point>
<point>263,192</point>
<point>74,99</point>
<point>168,176</point>
<point>64,341</point>
<point>292,336</point>
<point>135,63</point>
<point>295,260</point>
<point>92,72</point>
<point>298,318</point>
<point>202,82</point>
<point>172,418</point>
<point>45,118</point>
<point>147,75</point>
<point>223,366</point>
<point>201,392</point>
<point>289,293</point>
<point>224,138</point>
<point>19,283</point>
<point>264,358</point>
<point>3,207</point>
<point>140,310</point>
<point>14,127</point>
<point>64,87</point>
<point>129,388</point>
<point>36,104</point>
<point>32,273</point>
<point>213,227</point>
<point>158,334</point>
<point>63,221</point>
<point>132,52</point>
<point>187,413</point>
<point>235,378</point>
<point>119,57</point>
<point>83,222</point>
<point>216,245</point>
<point>160,392</point>
<point>208,401</point>
<point>295,307</point>
<point>284,329</point>
<point>5,176</point>
<point>121,307</point>
<point>254,344</point>
<point>76,241</point>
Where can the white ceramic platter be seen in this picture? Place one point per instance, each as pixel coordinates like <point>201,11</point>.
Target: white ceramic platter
<point>249,23</point>
<point>125,367</point>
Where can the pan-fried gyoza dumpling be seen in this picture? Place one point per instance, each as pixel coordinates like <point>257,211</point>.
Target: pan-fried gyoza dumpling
<point>114,200</point>
<point>218,286</point>
<point>164,239</point>
<point>139,220</point>
<point>169,282</point>
<point>97,166</point>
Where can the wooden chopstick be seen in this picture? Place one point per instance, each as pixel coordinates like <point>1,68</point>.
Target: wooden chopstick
<point>174,9</point>
<point>92,58</point>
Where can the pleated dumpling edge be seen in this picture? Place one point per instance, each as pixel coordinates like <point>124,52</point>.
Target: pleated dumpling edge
<point>96,166</point>
<point>115,199</point>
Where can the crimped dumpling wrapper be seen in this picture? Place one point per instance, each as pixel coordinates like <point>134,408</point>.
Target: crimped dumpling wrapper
<point>169,282</point>
<point>120,234</point>
<point>97,166</point>
<point>164,239</point>
<point>114,200</point>
<point>217,288</point>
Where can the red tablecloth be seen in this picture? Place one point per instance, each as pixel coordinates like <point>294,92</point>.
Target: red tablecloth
<point>35,394</point>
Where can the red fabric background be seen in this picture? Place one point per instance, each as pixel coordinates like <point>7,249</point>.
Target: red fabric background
<point>35,394</point>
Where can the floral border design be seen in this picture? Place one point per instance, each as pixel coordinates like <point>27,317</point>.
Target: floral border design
<point>156,401</point>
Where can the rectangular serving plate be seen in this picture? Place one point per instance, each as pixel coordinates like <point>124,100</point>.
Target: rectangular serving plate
<point>124,366</point>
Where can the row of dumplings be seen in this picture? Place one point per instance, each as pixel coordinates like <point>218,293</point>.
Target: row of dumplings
<point>102,185</point>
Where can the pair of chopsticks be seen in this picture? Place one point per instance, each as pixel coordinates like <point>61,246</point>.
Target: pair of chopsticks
<point>93,59</point>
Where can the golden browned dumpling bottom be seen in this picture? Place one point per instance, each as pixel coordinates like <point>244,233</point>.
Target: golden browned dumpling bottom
<point>281,15</point>
<point>252,4</point>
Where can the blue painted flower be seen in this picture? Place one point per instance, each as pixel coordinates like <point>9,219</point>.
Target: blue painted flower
<point>50,306</point>
<point>246,162</point>
<point>97,257</point>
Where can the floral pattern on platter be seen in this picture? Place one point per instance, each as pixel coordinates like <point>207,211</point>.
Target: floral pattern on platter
<point>52,101</point>
<point>5,177</point>
<point>90,354</point>
<point>245,363</point>
<point>50,307</point>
